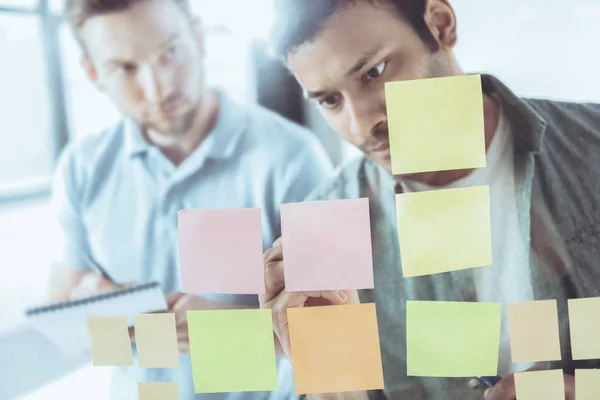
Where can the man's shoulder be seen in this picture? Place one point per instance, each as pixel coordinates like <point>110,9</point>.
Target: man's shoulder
<point>349,180</point>
<point>558,113</point>
<point>266,125</point>
<point>86,153</point>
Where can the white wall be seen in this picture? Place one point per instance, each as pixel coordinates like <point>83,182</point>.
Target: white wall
<point>540,48</point>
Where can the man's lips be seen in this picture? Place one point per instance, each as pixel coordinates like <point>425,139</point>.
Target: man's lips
<point>381,148</point>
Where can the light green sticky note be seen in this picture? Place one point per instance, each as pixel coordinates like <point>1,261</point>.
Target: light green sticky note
<point>232,351</point>
<point>436,124</point>
<point>452,339</point>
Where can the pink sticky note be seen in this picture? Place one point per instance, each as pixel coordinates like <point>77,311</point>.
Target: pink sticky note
<point>220,251</point>
<point>327,245</point>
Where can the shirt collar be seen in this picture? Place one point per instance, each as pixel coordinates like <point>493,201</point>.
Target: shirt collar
<point>135,144</point>
<point>232,122</point>
<point>221,142</point>
<point>527,124</point>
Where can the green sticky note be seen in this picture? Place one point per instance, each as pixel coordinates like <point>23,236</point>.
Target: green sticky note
<point>232,351</point>
<point>452,339</point>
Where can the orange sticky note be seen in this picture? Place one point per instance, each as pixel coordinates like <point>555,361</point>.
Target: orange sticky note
<point>221,251</point>
<point>327,245</point>
<point>158,391</point>
<point>533,328</point>
<point>156,340</point>
<point>111,345</point>
<point>584,323</point>
<point>587,384</point>
<point>335,348</point>
<point>538,385</point>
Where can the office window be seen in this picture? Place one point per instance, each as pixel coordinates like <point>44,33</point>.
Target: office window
<point>88,110</point>
<point>25,143</point>
<point>19,3</point>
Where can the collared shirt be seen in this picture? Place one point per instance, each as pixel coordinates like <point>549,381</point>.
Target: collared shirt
<point>557,170</point>
<point>117,198</point>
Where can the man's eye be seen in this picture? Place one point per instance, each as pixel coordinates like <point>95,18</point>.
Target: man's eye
<point>329,101</point>
<point>171,53</point>
<point>126,69</point>
<point>377,71</point>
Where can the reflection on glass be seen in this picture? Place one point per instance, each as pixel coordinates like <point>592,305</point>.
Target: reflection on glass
<point>26,147</point>
<point>19,3</point>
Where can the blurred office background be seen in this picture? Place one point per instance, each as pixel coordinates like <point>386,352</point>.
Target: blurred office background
<point>541,48</point>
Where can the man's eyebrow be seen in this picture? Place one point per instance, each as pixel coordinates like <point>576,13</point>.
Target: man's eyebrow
<point>358,65</point>
<point>313,95</point>
<point>173,37</point>
<point>363,60</point>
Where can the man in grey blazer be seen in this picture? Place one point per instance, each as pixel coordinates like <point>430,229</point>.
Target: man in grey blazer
<point>543,171</point>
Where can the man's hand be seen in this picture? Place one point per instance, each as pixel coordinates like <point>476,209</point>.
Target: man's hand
<point>92,284</point>
<point>279,301</point>
<point>179,304</point>
<point>505,389</point>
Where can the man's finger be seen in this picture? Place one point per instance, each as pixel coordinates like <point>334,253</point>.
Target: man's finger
<point>274,278</point>
<point>503,390</point>
<point>132,334</point>
<point>174,298</point>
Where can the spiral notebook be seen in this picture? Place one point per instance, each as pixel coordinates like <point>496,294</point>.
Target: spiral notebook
<point>65,323</point>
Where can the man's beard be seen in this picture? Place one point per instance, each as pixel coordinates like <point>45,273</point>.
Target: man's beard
<point>182,124</point>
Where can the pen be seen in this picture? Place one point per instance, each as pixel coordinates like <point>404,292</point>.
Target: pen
<point>489,381</point>
<point>98,268</point>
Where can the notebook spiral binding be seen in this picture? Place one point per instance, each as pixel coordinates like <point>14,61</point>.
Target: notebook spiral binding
<point>87,300</point>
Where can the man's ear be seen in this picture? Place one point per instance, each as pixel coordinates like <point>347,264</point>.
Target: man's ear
<point>441,20</point>
<point>198,32</point>
<point>90,71</point>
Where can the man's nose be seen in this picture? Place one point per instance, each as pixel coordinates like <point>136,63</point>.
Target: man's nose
<point>366,116</point>
<point>150,84</point>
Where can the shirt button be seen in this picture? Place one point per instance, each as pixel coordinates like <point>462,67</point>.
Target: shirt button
<point>474,383</point>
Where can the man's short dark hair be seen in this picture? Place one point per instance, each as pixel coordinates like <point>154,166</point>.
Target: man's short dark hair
<point>79,11</point>
<point>300,21</point>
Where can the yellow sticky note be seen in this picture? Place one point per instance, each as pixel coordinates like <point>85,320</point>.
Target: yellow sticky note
<point>452,339</point>
<point>158,391</point>
<point>156,340</point>
<point>232,351</point>
<point>111,345</point>
<point>436,124</point>
<point>587,384</point>
<point>533,328</point>
<point>538,385</point>
<point>584,320</point>
<point>444,230</point>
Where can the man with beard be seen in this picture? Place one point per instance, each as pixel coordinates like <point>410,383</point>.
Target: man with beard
<point>542,169</point>
<point>180,145</point>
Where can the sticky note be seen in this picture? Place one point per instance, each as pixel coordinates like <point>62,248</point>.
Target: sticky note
<point>537,385</point>
<point>232,351</point>
<point>156,340</point>
<point>327,245</point>
<point>533,329</point>
<point>436,124</point>
<point>452,339</point>
<point>110,342</point>
<point>158,391</point>
<point>587,384</point>
<point>584,320</point>
<point>444,230</point>
<point>335,348</point>
<point>221,251</point>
